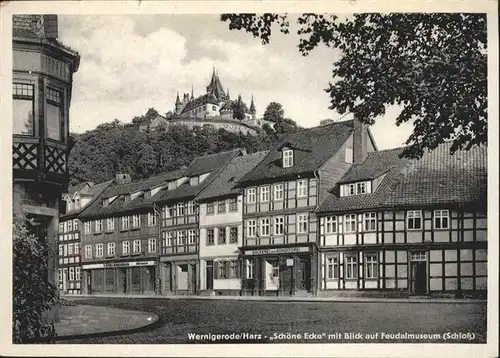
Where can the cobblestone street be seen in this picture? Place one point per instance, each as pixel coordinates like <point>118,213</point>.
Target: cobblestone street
<point>285,322</point>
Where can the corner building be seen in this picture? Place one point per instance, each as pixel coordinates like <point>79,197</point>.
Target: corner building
<point>281,194</point>
<point>399,227</point>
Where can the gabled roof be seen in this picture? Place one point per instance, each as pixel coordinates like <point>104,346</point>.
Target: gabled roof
<point>438,178</point>
<point>215,87</point>
<point>120,191</point>
<point>316,144</point>
<point>225,182</point>
<point>213,164</point>
<point>199,101</point>
<point>95,191</point>
<point>76,188</point>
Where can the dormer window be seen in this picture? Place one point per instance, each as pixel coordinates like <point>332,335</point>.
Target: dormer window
<point>126,198</point>
<point>194,181</point>
<point>105,203</point>
<point>359,188</point>
<point>147,194</point>
<point>287,158</point>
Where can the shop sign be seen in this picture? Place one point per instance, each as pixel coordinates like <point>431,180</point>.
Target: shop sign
<point>281,250</point>
<point>118,264</point>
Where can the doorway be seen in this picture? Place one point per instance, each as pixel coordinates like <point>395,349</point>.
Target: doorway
<point>418,273</point>
<point>210,275</point>
<point>303,275</point>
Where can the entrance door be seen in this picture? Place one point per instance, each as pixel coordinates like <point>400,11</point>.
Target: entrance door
<point>167,279</point>
<point>210,275</point>
<point>419,277</point>
<point>192,272</point>
<point>303,275</point>
<point>89,282</point>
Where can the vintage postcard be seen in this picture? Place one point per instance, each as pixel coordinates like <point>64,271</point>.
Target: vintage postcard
<point>224,178</point>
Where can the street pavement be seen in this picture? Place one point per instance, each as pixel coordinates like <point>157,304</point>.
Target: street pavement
<point>226,321</point>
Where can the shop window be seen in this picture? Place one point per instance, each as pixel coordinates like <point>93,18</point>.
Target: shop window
<point>221,270</point>
<point>233,204</point>
<point>414,220</point>
<point>222,235</point>
<point>350,223</point>
<point>233,266</point>
<point>330,225</point>
<point>332,268</point>
<point>233,235</point>
<point>210,208</point>
<point>370,220</point>
<point>371,266</point>
<point>278,192</point>
<point>23,108</point>
<point>210,237</point>
<point>441,219</point>
<point>351,267</point>
<point>54,115</point>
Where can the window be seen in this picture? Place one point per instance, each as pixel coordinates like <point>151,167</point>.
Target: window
<point>98,226</point>
<point>136,220</point>
<point>75,225</point>
<point>70,225</point>
<point>180,209</point>
<point>351,189</point>
<point>77,235</point>
<point>111,249</point>
<point>332,268</point>
<point>349,157</point>
<point>414,220</point>
<point>172,211</point>
<point>193,181</point>
<point>361,188</point>
<point>86,227</point>
<point>125,247</point>
<point>192,237</point>
<point>350,223</point>
<point>191,208</point>
<point>351,267</point>
<point>65,225</point>
<point>136,246</point>
<point>251,227</point>
<point>371,266</point>
<point>88,251</point>
<point>180,237</point>
<point>233,204</point>
<point>54,117</point>
<point>105,203</point>
<point>278,192</point>
<point>61,250</point>
<point>77,273</point>
<point>77,248</point>
<point>210,237</point>
<point>356,188</point>
<point>167,239</point>
<point>330,225</point>
<point>233,269</point>
<point>275,271</point>
<point>152,245</point>
<point>250,268</point>
<point>210,208</point>
<point>61,228</point>
<point>251,196</point>
<point>23,109</point>
<point>110,224</point>
<point>60,272</point>
<point>264,227</point>
<point>233,235</point>
<point>125,223</point>
<point>222,235</point>
<point>302,220</point>
<point>370,220</point>
<point>279,225</point>
<point>71,273</point>
<point>264,194</point>
<point>99,250</point>
<point>221,206</point>
<point>221,269</point>
<point>70,249</point>
<point>65,250</point>
<point>151,219</point>
<point>441,219</point>
<point>287,158</point>
<point>301,188</point>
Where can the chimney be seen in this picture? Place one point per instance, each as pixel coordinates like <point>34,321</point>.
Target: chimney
<point>50,26</point>
<point>360,138</point>
<point>326,122</point>
<point>121,178</point>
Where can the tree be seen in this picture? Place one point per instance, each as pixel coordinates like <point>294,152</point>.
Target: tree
<point>285,125</point>
<point>239,109</point>
<point>432,65</point>
<point>274,112</point>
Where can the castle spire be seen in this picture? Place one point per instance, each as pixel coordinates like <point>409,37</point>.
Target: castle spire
<point>252,106</point>
<point>192,92</point>
<point>177,101</point>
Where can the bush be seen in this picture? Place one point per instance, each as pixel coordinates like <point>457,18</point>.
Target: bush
<point>33,294</point>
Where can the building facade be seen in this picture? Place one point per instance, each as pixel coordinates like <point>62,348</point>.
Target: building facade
<point>281,194</point>
<point>43,71</point>
<point>221,228</point>
<point>179,259</point>
<point>407,227</point>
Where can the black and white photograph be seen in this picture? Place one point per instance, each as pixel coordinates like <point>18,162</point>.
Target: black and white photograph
<point>249,179</point>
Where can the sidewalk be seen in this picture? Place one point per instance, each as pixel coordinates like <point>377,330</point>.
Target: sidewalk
<point>289,298</point>
<point>83,321</point>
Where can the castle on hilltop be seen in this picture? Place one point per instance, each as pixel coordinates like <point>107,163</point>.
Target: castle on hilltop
<point>214,108</point>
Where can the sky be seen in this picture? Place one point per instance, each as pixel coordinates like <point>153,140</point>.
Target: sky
<point>130,63</point>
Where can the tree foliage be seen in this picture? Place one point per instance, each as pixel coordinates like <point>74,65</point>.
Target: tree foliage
<point>432,65</point>
<point>239,109</point>
<point>274,112</point>
<point>115,147</point>
<point>33,294</point>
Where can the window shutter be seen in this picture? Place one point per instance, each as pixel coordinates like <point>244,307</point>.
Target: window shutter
<point>228,269</point>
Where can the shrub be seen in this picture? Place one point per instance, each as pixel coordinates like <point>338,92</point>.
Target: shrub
<point>33,294</point>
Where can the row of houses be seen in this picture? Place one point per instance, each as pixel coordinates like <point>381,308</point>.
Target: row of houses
<point>323,212</point>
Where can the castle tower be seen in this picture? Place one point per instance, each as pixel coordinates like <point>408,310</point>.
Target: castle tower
<point>215,87</point>
<point>178,105</point>
<point>192,92</point>
<point>252,109</point>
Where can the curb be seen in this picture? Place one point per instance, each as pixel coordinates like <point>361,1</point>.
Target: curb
<point>148,326</point>
<point>285,299</point>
